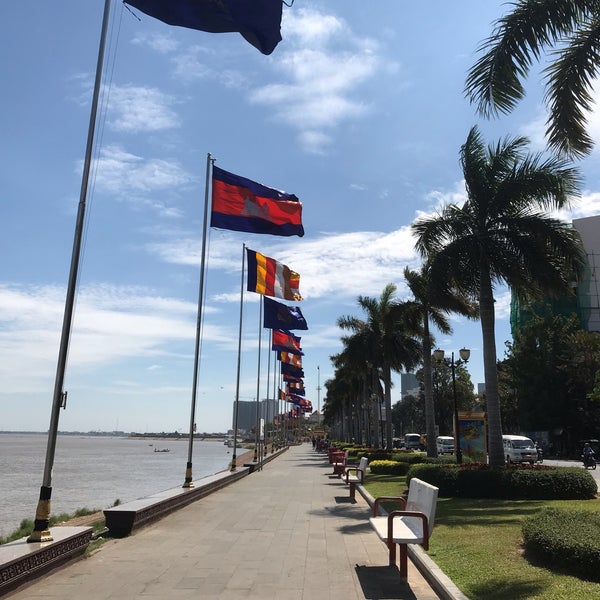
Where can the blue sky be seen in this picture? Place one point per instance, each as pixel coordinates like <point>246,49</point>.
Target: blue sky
<point>359,111</point>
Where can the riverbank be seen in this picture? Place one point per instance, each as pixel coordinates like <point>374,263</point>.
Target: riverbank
<point>97,517</point>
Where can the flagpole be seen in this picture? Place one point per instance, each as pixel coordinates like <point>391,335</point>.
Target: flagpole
<point>257,426</point>
<point>276,405</point>
<point>41,532</point>
<point>237,383</point>
<point>188,483</point>
<point>319,393</point>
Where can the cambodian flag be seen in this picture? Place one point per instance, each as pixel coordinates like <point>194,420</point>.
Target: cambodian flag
<point>284,341</point>
<point>241,204</point>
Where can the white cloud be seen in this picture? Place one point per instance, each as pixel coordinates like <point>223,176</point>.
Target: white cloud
<point>325,66</point>
<point>137,108</point>
<point>110,324</point>
<point>340,265</point>
<point>164,44</point>
<point>123,174</point>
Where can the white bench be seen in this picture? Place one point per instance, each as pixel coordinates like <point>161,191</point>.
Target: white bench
<point>412,525</point>
<point>356,474</point>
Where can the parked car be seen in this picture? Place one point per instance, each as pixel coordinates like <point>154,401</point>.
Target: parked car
<point>518,448</point>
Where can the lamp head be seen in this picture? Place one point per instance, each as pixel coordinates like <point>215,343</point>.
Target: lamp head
<point>465,353</point>
<point>438,354</point>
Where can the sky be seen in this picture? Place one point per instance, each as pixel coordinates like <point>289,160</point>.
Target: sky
<point>359,111</point>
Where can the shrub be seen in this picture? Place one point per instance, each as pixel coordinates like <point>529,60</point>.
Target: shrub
<point>442,476</point>
<point>476,480</point>
<point>388,467</point>
<point>554,484</point>
<point>567,541</point>
<point>379,455</point>
<point>408,457</point>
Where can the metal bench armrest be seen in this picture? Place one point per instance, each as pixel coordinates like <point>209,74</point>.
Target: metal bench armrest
<point>408,513</point>
<point>381,499</point>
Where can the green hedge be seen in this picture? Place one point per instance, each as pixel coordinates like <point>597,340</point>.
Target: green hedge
<point>567,541</point>
<point>388,467</point>
<point>481,481</point>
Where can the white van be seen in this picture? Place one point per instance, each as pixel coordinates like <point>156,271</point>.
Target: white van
<point>445,444</point>
<point>412,441</point>
<point>519,449</point>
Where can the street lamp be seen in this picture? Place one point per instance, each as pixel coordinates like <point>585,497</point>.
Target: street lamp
<point>465,353</point>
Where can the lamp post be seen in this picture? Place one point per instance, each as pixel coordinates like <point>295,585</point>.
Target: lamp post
<point>465,353</point>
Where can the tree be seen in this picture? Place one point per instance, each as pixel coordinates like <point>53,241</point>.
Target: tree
<point>443,392</point>
<point>572,29</point>
<point>408,415</point>
<point>503,234</point>
<point>433,300</point>
<point>353,370</point>
<point>553,363</point>
<point>387,336</point>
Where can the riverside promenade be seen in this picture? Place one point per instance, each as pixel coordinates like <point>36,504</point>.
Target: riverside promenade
<point>285,532</point>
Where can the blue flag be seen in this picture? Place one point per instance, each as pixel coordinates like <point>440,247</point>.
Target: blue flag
<point>281,316</point>
<point>259,21</point>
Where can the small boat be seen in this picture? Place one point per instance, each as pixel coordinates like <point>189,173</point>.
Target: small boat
<point>162,450</point>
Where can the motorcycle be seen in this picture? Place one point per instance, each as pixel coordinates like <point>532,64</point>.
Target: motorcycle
<point>589,462</point>
<point>540,455</point>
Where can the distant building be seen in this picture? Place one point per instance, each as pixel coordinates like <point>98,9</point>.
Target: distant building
<point>480,389</point>
<point>585,303</point>
<point>409,385</point>
<point>267,410</point>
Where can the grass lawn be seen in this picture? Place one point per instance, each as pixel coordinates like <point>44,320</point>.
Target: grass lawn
<point>478,544</point>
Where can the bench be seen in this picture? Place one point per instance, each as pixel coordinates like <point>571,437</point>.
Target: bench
<point>356,474</point>
<point>412,525</point>
<point>332,452</point>
<point>339,461</point>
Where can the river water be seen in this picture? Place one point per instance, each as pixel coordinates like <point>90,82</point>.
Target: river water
<point>94,471</point>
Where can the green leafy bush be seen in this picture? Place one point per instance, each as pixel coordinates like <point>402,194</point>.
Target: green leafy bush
<point>566,541</point>
<point>378,454</point>
<point>408,457</point>
<point>442,476</point>
<point>475,480</point>
<point>388,467</point>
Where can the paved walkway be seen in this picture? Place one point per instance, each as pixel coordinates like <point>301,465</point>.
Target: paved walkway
<point>287,532</point>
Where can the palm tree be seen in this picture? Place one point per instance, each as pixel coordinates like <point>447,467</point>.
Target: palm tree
<point>353,370</point>
<point>572,27</point>
<point>433,300</point>
<point>387,336</point>
<point>502,234</point>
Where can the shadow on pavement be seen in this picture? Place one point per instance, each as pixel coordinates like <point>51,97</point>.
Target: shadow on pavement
<point>383,583</point>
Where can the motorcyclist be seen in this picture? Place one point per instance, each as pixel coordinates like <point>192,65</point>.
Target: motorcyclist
<point>540,452</point>
<point>587,453</point>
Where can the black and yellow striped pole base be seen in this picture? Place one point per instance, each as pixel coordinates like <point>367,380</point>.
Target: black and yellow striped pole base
<point>188,483</point>
<point>41,525</point>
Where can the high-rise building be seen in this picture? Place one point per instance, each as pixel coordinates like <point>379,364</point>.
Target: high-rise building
<point>585,302</point>
<point>267,410</point>
<point>409,385</point>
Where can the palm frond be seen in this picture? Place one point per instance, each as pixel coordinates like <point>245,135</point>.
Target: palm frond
<point>570,81</point>
<point>494,83</point>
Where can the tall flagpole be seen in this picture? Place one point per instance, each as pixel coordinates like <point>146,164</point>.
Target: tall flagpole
<point>319,392</point>
<point>257,426</point>
<point>188,483</point>
<point>41,532</point>
<point>275,405</point>
<point>237,383</point>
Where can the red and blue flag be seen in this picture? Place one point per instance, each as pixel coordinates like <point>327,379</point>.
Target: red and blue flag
<point>241,204</point>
